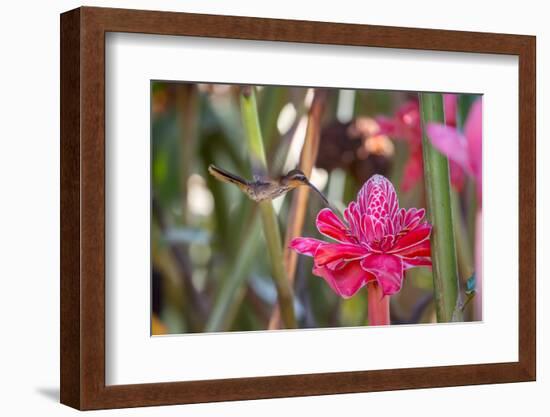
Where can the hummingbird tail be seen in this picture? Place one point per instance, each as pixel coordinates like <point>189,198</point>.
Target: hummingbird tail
<point>225,176</point>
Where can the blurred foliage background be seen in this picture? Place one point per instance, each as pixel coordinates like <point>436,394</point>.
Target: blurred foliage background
<point>210,265</point>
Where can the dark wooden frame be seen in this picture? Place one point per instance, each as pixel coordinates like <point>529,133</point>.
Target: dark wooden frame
<point>83,207</point>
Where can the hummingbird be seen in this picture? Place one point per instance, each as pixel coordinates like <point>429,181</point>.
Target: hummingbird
<point>266,188</point>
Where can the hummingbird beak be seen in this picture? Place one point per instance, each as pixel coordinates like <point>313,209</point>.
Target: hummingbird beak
<point>318,192</point>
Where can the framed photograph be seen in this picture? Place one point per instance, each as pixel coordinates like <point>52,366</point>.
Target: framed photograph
<point>259,208</point>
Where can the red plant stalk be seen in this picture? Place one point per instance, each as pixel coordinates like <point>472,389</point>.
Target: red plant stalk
<point>379,305</point>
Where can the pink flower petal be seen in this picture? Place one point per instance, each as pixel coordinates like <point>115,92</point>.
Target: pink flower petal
<point>412,218</point>
<point>345,281</point>
<point>368,228</point>
<point>353,217</point>
<point>388,270</point>
<point>331,226</point>
<point>412,238</point>
<point>450,102</point>
<point>457,175</point>
<point>331,252</point>
<point>408,117</point>
<point>378,231</point>
<point>405,125</point>
<point>450,143</point>
<point>421,249</point>
<point>413,171</point>
<point>386,126</point>
<point>418,261</point>
<point>387,242</point>
<point>377,196</point>
<point>306,245</point>
<point>473,132</point>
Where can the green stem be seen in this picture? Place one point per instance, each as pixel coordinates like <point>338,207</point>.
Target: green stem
<point>298,208</point>
<point>378,305</point>
<point>229,292</point>
<point>187,97</point>
<point>479,267</point>
<point>272,233</point>
<point>464,103</point>
<point>438,199</point>
<point>272,100</point>
<point>463,248</point>
<point>251,124</point>
<point>471,210</point>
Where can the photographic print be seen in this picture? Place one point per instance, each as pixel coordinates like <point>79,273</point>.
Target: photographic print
<point>228,195</point>
<point>282,207</point>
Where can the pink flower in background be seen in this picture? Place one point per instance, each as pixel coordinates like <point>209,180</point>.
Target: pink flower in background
<point>406,125</point>
<point>450,102</point>
<point>377,242</point>
<point>465,149</point>
<point>462,148</point>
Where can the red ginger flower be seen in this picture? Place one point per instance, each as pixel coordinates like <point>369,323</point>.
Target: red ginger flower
<point>378,241</point>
